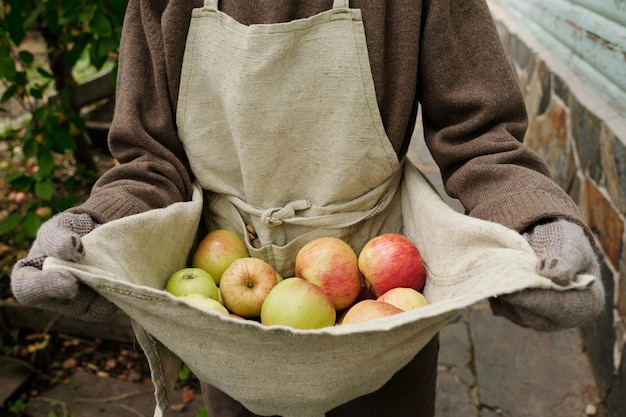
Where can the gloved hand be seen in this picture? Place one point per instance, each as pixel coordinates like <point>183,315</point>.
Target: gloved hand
<point>564,251</point>
<point>56,289</point>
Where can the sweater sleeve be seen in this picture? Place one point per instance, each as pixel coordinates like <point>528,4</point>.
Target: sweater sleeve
<point>152,169</point>
<point>475,120</point>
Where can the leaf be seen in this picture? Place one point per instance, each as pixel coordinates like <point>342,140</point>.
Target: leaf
<point>9,92</point>
<point>10,223</point>
<point>7,68</point>
<point>202,412</point>
<point>26,57</point>
<point>30,147</point>
<point>184,373</point>
<point>62,141</point>
<point>16,27</point>
<point>44,189</point>
<point>45,160</point>
<point>31,224</point>
<point>101,26</point>
<point>20,181</point>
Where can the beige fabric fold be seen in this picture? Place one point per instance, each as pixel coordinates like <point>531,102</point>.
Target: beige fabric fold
<point>283,371</point>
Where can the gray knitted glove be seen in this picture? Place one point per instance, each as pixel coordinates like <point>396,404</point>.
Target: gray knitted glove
<point>564,251</point>
<point>56,289</point>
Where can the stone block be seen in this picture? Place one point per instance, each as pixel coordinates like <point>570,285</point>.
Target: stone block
<point>621,297</point>
<point>613,153</point>
<point>561,89</point>
<point>548,136</point>
<point>585,130</point>
<point>605,222</point>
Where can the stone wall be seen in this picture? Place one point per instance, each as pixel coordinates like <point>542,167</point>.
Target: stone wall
<point>584,142</point>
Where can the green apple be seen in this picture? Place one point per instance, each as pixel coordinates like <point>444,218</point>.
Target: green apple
<point>192,280</point>
<point>245,284</point>
<point>297,303</point>
<point>404,298</point>
<point>204,302</point>
<point>217,250</point>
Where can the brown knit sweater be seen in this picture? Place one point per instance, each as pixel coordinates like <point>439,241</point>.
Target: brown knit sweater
<point>444,55</point>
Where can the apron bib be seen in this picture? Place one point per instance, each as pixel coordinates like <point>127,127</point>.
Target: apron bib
<point>282,129</point>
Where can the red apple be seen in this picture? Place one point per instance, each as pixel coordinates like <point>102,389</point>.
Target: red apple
<point>217,250</point>
<point>204,302</point>
<point>245,284</point>
<point>404,298</point>
<point>391,260</point>
<point>297,303</point>
<point>192,280</point>
<point>331,264</point>
<point>367,310</point>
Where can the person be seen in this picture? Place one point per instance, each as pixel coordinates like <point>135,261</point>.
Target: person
<point>275,102</point>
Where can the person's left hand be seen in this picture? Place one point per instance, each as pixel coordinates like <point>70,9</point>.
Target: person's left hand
<point>564,251</point>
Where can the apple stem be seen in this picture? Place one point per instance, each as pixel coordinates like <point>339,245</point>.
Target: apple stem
<point>249,283</point>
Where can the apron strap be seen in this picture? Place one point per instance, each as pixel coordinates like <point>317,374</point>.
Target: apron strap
<point>341,4</point>
<point>337,4</point>
<point>211,4</point>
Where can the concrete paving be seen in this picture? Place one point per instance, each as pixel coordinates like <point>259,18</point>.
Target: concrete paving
<point>488,367</point>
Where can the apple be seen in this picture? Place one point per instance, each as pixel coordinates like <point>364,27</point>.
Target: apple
<point>192,280</point>
<point>204,302</point>
<point>367,310</point>
<point>297,303</point>
<point>331,264</point>
<point>391,260</point>
<point>217,250</point>
<point>245,284</point>
<point>404,298</point>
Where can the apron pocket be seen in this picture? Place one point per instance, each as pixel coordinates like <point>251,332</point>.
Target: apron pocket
<point>279,370</point>
<point>219,213</point>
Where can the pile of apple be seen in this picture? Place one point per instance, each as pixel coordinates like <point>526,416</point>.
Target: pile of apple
<point>332,285</point>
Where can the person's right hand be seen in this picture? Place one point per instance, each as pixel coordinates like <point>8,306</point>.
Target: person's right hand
<point>56,289</point>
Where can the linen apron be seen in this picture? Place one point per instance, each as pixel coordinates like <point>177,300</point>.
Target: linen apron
<point>282,129</point>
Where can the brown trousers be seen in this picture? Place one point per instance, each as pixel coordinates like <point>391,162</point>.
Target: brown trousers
<point>409,393</point>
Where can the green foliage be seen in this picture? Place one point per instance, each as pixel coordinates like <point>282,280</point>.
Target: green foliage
<point>184,373</point>
<point>17,406</point>
<point>79,37</point>
<point>202,412</point>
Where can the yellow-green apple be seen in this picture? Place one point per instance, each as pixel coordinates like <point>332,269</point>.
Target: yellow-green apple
<point>204,302</point>
<point>404,298</point>
<point>192,280</point>
<point>331,264</point>
<point>367,310</point>
<point>245,284</point>
<point>391,260</point>
<point>297,303</point>
<point>217,250</point>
